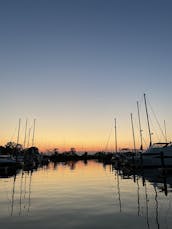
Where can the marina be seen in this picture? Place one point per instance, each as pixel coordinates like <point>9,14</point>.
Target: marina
<point>85,124</point>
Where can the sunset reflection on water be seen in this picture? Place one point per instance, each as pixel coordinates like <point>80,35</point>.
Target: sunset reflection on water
<point>81,195</point>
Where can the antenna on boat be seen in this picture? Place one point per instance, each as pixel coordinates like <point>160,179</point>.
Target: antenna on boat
<point>115,137</point>
<point>150,137</point>
<point>133,132</point>
<point>140,129</point>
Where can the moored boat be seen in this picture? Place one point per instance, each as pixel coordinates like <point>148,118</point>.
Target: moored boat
<point>157,155</point>
<point>8,160</point>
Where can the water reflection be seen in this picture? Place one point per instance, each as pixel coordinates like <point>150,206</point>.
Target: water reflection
<point>21,184</point>
<point>118,191</point>
<point>70,164</point>
<point>156,177</point>
<point>6,172</point>
<point>20,193</point>
<point>99,194</point>
<point>13,193</point>
<point>153,183</point>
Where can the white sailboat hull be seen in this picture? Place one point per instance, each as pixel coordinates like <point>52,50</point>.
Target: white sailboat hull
<point>157,157</point>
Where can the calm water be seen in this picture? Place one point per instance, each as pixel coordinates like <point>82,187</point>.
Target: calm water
<point>79,195</point>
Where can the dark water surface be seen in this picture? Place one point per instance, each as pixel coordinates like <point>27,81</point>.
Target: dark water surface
<point>84,195</point>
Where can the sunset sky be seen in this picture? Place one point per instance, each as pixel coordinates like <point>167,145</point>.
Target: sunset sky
<point>75,65</point>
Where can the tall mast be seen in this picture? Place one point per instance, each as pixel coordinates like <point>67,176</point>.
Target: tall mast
<point>148,120</point>
<point>33,136</point>
<point>165,131</point>
<point>133,133</point>
<point>115,137</point>
<point>24,143</point>
<point>18,135</point>
<point>140,129</point>
<point>28,138</point>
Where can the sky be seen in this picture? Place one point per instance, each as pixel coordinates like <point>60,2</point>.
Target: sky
<point>76,65</point>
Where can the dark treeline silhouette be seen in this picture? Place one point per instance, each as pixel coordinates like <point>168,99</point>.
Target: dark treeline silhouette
<point>73,156</point>
<point>31,156</point>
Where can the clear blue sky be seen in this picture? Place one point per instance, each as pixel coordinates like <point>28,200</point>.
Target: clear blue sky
<point>75,65</point>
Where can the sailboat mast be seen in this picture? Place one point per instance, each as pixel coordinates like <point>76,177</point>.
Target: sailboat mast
<point>115,136</point>
<point>165,131</point>
<point>28,138</point>
<point>133,133</point>
<point>34,121</point>
<point>148,120</point>
<point>24,143</point>
<point>18,135</point>
<point>140,129</point>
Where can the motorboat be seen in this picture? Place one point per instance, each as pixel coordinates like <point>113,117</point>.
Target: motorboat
<point>157,155</point>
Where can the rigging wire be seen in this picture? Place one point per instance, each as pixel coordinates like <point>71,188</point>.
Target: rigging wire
<point>108,139</point>
<point>156,120</point>
<point>14,132</point>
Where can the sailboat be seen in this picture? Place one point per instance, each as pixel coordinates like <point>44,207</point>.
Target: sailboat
<point>158,154</point>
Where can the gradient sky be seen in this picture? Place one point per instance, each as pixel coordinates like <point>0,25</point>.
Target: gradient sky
<point>76,65</point>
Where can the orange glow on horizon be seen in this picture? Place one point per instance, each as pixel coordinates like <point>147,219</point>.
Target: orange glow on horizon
<point>84,139</point>
<point>80,148</point>
<point>89,146</point>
